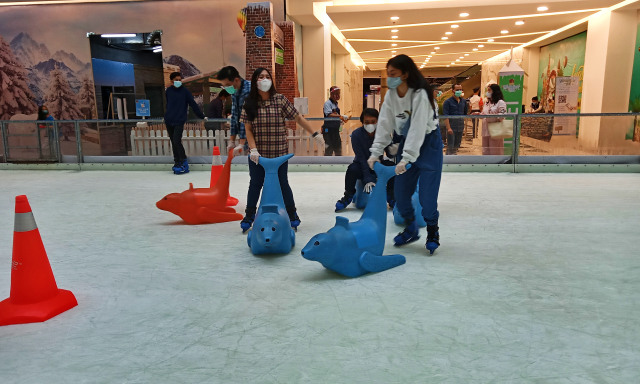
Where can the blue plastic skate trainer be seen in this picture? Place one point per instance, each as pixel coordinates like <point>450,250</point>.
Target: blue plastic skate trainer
<point>271,232</point>
<point>354,249</point>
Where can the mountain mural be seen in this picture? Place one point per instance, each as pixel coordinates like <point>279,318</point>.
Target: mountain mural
<point>187,69</point>
<point>38,63</point>
<point>28,51</point>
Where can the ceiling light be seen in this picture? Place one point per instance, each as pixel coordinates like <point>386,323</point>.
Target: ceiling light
<point>394,37</point>
<point>393,51</point>
<point>464,14</point>
<point>428,57</point>
<point>448,66</point>
<point>436,48</point>
<point>504,31</point>
<point>543,8</point>
<point>118,35</point>
<point>448,33</point>
<point>474,49</point>
<point>480,45</point>
<point>453,63</point>
<point>394,45</point>
<point>519,22</point>
<point>394,18</point>
<point>433,53</point>
<point>466,54</point>
<point>490,41</point>
<point>394,30</point>
<point>445,38</point>
<point>461,57</point>
<point>455,26</point>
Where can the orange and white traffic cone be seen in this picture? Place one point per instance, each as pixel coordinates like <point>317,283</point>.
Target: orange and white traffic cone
<point>216,170</point>
<point>34,296</point>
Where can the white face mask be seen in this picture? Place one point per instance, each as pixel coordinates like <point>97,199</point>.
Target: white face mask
<point>264,85</point>
<point>370,127</point>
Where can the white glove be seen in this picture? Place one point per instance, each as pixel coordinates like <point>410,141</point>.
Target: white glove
<point>254,155</point>
<point>239,149</point>
<point>368,187</point>
<point>393,149</point>
<point>372,160</point>
<point>401,167</point>
<point>319,139</point>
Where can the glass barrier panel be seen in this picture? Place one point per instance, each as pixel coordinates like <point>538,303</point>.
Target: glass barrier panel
<point>548,135</point>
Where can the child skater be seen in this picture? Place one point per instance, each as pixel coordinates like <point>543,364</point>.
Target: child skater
<point>409,110</point>
<point>361,141</point>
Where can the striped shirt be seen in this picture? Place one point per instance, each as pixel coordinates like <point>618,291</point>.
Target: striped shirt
<point>269,129</point>
<point>238,98</point>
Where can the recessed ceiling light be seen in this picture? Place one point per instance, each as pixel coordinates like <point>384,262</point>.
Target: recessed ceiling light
<point>464,14</point>
<point>474,49</point>
<point>394,45</point>
<point>394,30</point>
<point>448,33</point>
<point>394,37</point>
<point>445,38</point>
<point>466,54</point>
<point>504,31</point>
<point>455,26</point>
<point>543,8</point>
<point>433,53</point>
<point>490,41</point>
<point>393,51</point>
<point>428,57</point>
<point>453,63</point>
<point>436,48</point>
<point>461,57</point>
<point>448,66</point>
<point>519,22</point>
<point>480,45</point>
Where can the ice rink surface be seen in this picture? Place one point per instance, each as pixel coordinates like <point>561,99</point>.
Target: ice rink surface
<point>537,281</point>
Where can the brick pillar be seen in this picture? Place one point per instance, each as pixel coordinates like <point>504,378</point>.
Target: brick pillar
<point>259,51</point>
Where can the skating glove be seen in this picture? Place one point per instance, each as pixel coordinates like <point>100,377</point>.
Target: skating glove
<point>372,160</point>
<point>401,167</point>
<point>319,139</point>
<point>254,155</point>
<point>369,187</point>
<point>393,149</point>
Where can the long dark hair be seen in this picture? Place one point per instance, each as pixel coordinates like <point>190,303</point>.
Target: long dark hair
<point>415,79</point>
<point>496,93</point>
<point>251,103</point>
<point>42,115</point>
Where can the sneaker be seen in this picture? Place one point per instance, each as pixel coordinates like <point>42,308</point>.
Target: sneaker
<point>185,166</point>
<point>433,238</point>
<point>409,235</point>
<point>343,203</point>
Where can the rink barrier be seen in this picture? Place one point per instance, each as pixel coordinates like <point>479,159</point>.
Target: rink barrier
<point>303,145</point>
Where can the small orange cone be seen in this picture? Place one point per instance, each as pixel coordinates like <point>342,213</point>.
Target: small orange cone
<point>34,297</point>
<point>216,170</point>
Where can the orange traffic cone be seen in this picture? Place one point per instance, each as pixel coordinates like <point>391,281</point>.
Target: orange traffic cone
<point>34,297</point>
<point>216,170</point>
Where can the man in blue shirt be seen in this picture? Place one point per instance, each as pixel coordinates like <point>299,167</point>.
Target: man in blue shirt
<point>331,128</point>
<point>178,101</point>
<point>239,89</point>
<point>456,105</point>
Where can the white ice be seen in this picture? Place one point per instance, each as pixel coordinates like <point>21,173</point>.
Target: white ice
<point>537,281</point>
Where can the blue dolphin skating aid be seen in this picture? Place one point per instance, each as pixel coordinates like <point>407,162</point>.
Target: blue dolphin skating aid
<point>417,211</point>
<point>271,232</point>
<point>355,248</point>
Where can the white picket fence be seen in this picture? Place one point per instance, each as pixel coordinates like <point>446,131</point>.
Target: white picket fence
<point>154,141</point>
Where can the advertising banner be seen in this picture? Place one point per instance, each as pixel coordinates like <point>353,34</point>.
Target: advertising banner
<point>566,101</point>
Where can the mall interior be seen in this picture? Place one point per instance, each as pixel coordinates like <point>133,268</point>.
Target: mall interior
<point>536,277</point>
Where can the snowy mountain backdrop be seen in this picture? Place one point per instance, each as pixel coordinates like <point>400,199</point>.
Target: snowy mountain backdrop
<point>186,67</point>
<point>38,63</point>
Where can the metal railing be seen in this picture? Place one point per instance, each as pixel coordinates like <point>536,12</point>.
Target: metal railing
<point>553,146</point>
